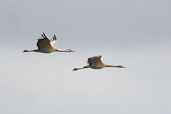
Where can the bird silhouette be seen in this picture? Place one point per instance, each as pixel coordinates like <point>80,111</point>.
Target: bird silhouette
<point>97,63</point>
<point>47,46</point>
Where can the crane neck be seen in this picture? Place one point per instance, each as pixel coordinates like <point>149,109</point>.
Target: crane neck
<point>112,66</point>
<point>117,66</point>
<point>64,50</point>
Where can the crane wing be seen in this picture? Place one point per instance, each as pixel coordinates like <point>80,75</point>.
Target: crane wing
<point>53,41</point>
<point>94,60</point>
<point>45,43</point>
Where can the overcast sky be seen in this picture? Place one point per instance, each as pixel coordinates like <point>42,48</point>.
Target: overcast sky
<point>133,33</point>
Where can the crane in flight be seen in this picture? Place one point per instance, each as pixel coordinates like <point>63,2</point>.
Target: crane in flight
<point>97,63</point>
<point>47,46</point>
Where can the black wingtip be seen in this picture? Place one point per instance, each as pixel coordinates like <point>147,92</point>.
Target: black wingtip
<point>54,37</point>
<point>44,34</point>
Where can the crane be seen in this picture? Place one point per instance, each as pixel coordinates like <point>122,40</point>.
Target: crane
<point>97,63</point>
<point>47,46</point>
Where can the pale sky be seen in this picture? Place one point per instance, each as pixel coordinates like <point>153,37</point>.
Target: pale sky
<point>132,33</point>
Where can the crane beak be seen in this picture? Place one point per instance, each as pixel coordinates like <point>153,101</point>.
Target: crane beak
<point>70,50</point>
<point>120,66</point>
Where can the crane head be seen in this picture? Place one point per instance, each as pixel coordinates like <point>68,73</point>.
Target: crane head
<point>120,66</point>
<point>69,50</point>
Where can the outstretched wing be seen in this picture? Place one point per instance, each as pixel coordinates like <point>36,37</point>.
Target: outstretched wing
<point>44,42</point>
<point>53,41</point>
<point>94,60</point>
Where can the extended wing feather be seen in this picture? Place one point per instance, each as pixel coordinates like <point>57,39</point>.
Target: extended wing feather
<point>53,41</point>
<point>44,42</point>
